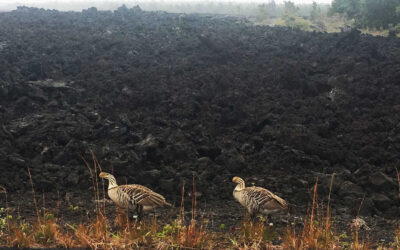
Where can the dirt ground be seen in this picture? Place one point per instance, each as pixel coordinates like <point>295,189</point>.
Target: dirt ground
<point>223,217</point>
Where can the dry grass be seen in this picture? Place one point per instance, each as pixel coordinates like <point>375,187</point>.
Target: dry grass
<point>317,230</point>
<point>184,232</point>
<point>396,242</point>
<point>318,233</point>
<point>253,235</point>
<point>100,233</point>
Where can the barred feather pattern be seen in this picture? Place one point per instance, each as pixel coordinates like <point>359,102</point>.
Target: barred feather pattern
<point>134,196</point>
<point>258,200</point>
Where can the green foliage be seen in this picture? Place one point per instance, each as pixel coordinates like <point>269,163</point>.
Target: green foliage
<point>49,216</point>
<point>46,234</point>
<point>4,218</point>
<point>295,22</point>
<point>266,10</point>
<point>349,8</point>
<point>317,18</point>
<point>395,29</point>
<point>379,13</point>
<point>290,8</point>
<point>73,208</point>
<point>344,238</point>
<point>170,229</point>
<point>291,18</point>
<point>25,227</point>
<point>315,13</point>
<point>369,13</point>
<point>263,12</point>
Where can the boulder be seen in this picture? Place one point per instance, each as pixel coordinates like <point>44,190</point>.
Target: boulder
<point>348,188</point>
<point>209,151</point>
<point>73,179</point>
<point>149,149</point>
<point>380,181</point>
<point>381,201</point>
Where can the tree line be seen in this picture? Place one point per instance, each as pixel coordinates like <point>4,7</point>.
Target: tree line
<point>376,14</point>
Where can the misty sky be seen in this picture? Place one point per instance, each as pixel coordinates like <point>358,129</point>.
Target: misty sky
<point>112,4</point>
<point>130,1</point>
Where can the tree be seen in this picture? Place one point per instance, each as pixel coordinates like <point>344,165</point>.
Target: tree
<point>316,18</point>
<point>266,10</point>
<point>290,8</point>
<point>271,6</point>
<point>379,13</point>
<point>291,18</point>
<point>369,13</point>
<point>349,8</point>
<point>315,12</point>
<point>262,12</point>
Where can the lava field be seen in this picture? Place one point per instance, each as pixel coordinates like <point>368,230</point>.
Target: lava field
<point>163,98</point>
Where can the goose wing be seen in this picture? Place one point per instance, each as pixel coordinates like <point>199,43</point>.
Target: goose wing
<point>141,195</point>
<point>264,198</point>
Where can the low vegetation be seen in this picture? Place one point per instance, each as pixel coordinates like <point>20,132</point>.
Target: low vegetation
<point>376,17</point>
<point>184,232</point>
<point>372,16</point>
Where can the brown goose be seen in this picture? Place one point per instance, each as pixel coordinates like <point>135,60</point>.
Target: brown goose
<point>133,197</point>
<point>257,200</point>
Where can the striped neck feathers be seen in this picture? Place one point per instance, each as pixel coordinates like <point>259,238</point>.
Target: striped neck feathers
<point>240,185</point>
<point>112,183</point>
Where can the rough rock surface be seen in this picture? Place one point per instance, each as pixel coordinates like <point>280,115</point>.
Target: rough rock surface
<point>160,98</point>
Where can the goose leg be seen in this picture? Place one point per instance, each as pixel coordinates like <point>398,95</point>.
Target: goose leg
<point>253,216</point>
<point>139,213</point>
<point>135,214</point>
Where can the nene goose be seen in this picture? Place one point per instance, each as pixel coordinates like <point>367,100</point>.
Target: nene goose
<point>257,199</point>
<point>133,197</point>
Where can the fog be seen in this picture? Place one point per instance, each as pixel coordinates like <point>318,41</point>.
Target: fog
<point>77,5</point>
